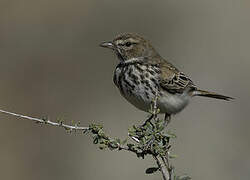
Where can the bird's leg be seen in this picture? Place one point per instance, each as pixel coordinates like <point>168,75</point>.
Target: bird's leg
<point>167,119</point>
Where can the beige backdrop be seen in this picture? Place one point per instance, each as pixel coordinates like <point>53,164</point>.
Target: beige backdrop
<point>50,64</point>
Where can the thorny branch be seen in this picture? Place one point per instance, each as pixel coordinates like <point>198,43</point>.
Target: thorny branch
<point>48,122</point>
<point>147,139</point>
<point>163,168</point>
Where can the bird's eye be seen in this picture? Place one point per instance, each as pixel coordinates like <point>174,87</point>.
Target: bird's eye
<point>128,44</point>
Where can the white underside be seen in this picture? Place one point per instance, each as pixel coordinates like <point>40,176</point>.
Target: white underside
<point>167,103</point>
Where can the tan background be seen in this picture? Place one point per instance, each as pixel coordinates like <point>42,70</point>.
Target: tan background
<point>50,64</point>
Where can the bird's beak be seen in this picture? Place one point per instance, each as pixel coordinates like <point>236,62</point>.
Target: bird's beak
<point>109,45</point>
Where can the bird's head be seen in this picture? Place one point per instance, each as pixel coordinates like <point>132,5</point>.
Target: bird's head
<point>129,45</point>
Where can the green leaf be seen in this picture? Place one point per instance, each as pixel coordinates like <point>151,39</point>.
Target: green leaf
<point>134,127</point>
<point>170,135</point>
<point>160,128</point>
<point>101,133</point>
<point>95,140</point>
<point>130,145</point>
<point>85,131</point>
<point>172,156</point>
<point>124,141</point>
<point>118,140</point>
<point>151,170</point>
<point>113,144</point>
<point>102,146</point>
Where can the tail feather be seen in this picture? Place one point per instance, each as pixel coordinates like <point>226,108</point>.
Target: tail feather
<point>211,95</point>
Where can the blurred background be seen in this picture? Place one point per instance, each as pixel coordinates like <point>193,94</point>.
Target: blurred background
<point>50,64</point>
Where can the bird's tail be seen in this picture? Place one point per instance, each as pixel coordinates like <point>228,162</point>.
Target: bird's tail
<point>211,95</point>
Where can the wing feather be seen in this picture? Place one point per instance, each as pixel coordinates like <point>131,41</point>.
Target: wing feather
<point>173,80</point>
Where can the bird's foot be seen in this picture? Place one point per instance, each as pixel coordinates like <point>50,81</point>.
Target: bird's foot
<point>167,119</point>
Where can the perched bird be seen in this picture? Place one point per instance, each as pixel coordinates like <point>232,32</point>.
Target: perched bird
<point>142,74</point>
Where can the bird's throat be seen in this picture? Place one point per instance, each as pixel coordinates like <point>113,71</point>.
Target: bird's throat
<point>120,57</point>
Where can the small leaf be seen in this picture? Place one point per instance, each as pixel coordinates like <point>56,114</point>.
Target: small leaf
<point>151,170</point>
<point>172,156</point>
<point>95,140</point>
<point>130,145</point>
<point>160,128</point>
<point>170,135</point>
<point>124,141</point>
<point>134,127</point>
<point>118,140</point>
<point>113,145</point>
<point>100,133</point>
<point>85,131</point>
<point>102,147</point>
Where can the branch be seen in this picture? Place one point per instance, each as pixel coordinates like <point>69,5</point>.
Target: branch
<point>46,121</point>
<point>163,168</point>
<point>147,139</point>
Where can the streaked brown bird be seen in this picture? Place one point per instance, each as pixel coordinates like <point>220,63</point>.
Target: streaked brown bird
<point>142,74</point>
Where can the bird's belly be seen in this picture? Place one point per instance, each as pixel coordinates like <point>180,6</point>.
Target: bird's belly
<point>167,103</point>
<point>173,103</point>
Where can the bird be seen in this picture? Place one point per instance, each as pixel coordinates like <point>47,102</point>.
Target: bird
<point>142,74</point>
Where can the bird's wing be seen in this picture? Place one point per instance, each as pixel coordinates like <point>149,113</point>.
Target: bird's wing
<point>173,80</point>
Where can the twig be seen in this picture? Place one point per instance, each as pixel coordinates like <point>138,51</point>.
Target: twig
<point>163,168</point>
<point>45,121</point>
<point>126,148</point>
